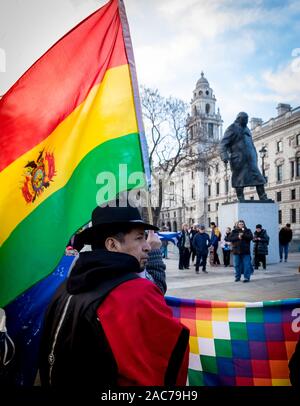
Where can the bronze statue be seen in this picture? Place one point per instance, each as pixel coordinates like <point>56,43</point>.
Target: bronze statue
<point>238,149</point>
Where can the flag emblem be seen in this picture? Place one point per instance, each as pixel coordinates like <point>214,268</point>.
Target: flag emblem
<point>38,175</point>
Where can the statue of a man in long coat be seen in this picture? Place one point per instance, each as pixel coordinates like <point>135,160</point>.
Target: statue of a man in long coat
<point>238,149</point>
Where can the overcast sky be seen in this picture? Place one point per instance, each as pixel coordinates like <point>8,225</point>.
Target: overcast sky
<point>249,50</point>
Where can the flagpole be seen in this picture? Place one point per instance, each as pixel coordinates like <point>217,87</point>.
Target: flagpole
<point>149,207</point>
<point>135,88</point>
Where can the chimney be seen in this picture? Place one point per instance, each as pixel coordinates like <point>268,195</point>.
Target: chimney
<point>283,108</point>
<point>254,122</point>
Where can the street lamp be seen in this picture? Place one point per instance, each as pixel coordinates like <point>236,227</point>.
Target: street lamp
<point>263,153</point>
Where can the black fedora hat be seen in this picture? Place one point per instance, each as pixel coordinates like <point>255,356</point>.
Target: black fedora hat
<point>111,217</point>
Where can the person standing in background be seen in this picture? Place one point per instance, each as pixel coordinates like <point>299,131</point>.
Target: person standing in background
<point>184,246</point>
<point>260,246</point>
<point>241,238</point>
<point>201,244</point>
<point>215,237</point>
<point>285,237</point>
<point>226,247</point>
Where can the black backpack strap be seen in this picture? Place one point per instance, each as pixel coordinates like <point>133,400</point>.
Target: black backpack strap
<point>71,327</point>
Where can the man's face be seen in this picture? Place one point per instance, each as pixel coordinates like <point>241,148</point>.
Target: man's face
<point>135,244</point>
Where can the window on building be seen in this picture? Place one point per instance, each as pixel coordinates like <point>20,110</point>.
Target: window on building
<point>293,216</point>
<point>192,174</point>
<point>226,186</point>
<point>210,130</point>
<point>163,216</point>
<point>208,171</point>
<point>298,139</point>
<point>251,197</point>
<point>172,187</point>
<point>209,221</point>
<point>209,190</point>
<point>191,133</point>
<point>279,146</point>
<point>217,220</point>
<point>279,173</point>
<point>207,108</point>
<point>278,196</point>
<point>217,206</point>
<point>208,207</point>
<point>279,216</point>
<point>217,168</point>
<point>298,166</point>
<point>174,214</point>
<point>193,192</point>
<point>293,194</point>
<point>217,188</point>
<point>292,165</point>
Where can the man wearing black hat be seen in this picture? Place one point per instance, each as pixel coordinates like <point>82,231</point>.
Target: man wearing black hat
<point>106,325</point>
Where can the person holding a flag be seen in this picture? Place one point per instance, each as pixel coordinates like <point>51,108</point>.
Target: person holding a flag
<point>107,325</point>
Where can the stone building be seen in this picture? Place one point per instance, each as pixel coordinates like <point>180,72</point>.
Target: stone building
<point>195,193</point>
<point>183,196</point>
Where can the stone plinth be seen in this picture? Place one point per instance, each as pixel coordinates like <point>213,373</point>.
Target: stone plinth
<point>253,212</point>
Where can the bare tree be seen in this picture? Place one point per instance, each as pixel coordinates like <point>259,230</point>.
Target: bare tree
<point>169,143</point>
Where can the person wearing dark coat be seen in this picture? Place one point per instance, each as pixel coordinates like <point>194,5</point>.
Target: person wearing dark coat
<point>238,149</point>
<point>240,237</point>
<point>201,243</point>
<point>285,237</point>
<point>260,246</point>
<point>184,245</point>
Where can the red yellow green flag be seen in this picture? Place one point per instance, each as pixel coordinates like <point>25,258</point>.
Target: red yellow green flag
<point>74,114</point>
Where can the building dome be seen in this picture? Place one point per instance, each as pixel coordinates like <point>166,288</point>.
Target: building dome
<point>202,82</point>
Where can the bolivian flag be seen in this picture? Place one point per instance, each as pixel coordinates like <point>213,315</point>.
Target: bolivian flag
<point>73,115</point>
